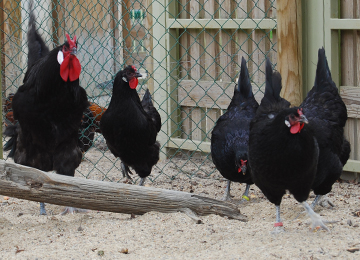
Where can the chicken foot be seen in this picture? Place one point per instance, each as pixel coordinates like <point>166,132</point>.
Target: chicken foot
<point>316,221</point>
<point>227,196</point>
<point>322,200</point>
<point>246,193</point>
<point>71,210</point>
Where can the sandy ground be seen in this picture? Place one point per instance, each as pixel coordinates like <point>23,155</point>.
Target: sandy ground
<point>103,235</point>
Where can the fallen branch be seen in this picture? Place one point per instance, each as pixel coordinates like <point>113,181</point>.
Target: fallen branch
<point>31,184</point>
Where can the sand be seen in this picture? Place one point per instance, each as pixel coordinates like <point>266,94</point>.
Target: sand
<point>104,235</point>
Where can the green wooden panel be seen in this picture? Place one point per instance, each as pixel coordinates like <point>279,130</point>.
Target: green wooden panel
<point>265,24</point>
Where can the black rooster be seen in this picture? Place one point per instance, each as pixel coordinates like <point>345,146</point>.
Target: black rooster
<point>327,116</point>
<point>49,107</point>
<point>230,136</point>
<point>130,127</point>
<point>283,152</point>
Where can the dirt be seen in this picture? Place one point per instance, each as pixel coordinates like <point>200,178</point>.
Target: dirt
<point>104,235</point>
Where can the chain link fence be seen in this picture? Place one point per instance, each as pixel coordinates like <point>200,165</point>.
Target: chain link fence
<point>188,51</point>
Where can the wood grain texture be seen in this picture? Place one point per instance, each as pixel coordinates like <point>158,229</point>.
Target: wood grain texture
<point>351,98</point>
<point>289,30</point>
<point>208,94</point>
<point>28,183</point>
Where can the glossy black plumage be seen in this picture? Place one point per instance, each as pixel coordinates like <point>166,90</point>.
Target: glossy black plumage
<point>327,116</point>
<point>49,111</point>
<point>130,126</point>
<point>230,136</point>
<point>282,160</point>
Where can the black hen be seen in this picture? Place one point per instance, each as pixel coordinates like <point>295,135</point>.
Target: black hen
<point>327,116</point>
<point>283,152</point>
<point>130,127</point>
<point>49,107</point>
<point>230,136</point>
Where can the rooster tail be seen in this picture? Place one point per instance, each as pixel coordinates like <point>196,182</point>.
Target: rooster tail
<point>36,45</point>
<point>323,73</point>
<point>11,144</point>
<point>147,98</point>
<point>244,85</point>
<point>273,82</point>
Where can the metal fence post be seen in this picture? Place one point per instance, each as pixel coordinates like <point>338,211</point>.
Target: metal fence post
<point>160,76</point>
<point>313,40</point>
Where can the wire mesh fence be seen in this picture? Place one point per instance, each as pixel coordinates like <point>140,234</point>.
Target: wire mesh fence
<point>188,51</point>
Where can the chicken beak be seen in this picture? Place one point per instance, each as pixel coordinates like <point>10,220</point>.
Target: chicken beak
<point>73,51</point>
<point>138,75</point>
<point>303,119</point>
<point>243,169</point>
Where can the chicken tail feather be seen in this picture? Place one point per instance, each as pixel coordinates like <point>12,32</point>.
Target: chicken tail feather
<point>273,82</point>
<point>11,144</point>
<point>244,85</point>
<point>147,97</point>
<point>323,73</point>
<point>36,45</point>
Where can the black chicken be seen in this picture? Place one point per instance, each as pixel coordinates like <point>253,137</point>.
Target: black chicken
<point>49,107</point>
<point>283,152</point>
<point>327,116</point>
<point>230,136</point>
<point>130,127</point>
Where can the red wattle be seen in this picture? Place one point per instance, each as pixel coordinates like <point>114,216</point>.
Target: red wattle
<point>239,170</point>
<point>296,128</point>
<point>133,83</point>
<point>70,68</point>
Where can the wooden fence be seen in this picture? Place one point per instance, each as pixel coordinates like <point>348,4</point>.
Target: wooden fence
<point>211,42</point>
<point>339,22</point>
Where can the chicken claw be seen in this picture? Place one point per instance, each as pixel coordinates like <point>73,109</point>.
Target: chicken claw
<point>125,171</point>
<point>71,210</point>
<point>316,221</point>
<point>325,202</point>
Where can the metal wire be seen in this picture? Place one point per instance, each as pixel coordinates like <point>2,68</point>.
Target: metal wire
<point>201,64</point>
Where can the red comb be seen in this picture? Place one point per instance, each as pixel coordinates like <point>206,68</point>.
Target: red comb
<point>72,43</point>
<point>300,111</point>
<point>243,162</point>
<point>134,68</point>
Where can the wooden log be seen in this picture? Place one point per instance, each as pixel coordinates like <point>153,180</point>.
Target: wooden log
<point>290,50</point>
<point>32,184</point>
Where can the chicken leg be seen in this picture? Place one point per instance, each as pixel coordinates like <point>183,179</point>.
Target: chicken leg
<point>142,181</point>
<point>125,171</point>
<point>278,226</point>
<point>42,208</point>
<point>227,192</point>
<point>246,193</point>
<point>322,200</point>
